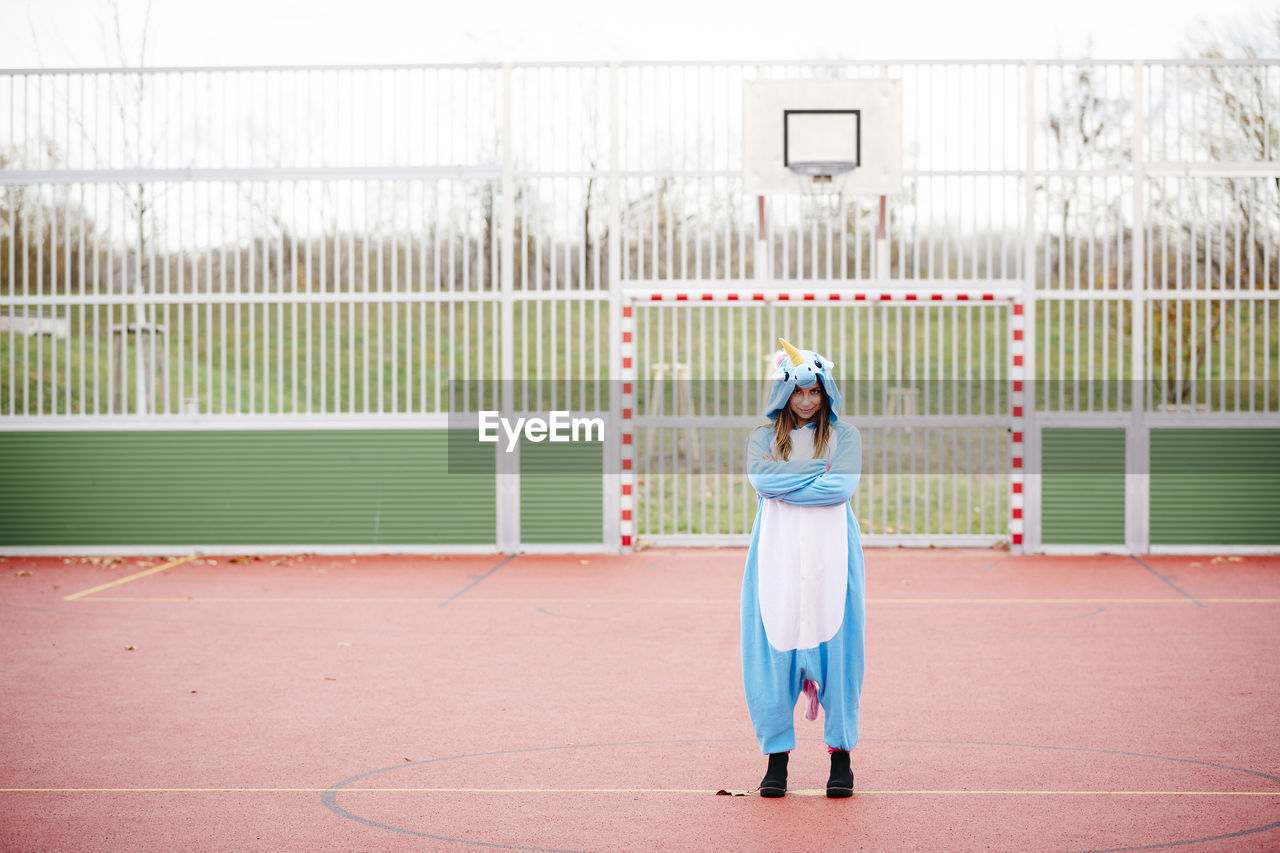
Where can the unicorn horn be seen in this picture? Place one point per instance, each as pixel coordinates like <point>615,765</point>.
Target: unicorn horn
<point>796,358</point>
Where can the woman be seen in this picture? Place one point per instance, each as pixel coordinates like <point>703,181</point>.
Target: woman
<point>803,607</point>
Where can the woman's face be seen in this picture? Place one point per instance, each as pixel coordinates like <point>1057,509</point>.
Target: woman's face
<point>805,402</point>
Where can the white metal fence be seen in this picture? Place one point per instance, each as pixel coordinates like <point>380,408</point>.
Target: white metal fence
<point>226,246</point>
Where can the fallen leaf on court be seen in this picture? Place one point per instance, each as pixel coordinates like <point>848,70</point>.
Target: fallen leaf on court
<point>23,573</point>
<point>330,678</point>
<point>723,793</point>
<point>101,561</point>
<point>585,562</point>
<point>130,648</point>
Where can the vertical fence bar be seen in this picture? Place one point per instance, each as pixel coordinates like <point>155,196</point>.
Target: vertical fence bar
<point>1137,483</point>
<point>508,494</point>
<point>1024,532</point>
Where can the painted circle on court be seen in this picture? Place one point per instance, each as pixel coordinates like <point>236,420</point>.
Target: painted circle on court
<point>330,796</point>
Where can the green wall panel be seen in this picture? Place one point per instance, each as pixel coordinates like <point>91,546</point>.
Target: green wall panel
<point>561,488</point>
<point>1215,486</point>
<point>1082,487</point>
<point>253,487</point>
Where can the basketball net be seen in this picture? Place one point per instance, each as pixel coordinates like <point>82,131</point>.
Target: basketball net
<point>824,183</point>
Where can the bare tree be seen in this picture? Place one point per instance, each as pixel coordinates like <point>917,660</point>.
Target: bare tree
<point>1237,253</point>
<point>1083,129</point>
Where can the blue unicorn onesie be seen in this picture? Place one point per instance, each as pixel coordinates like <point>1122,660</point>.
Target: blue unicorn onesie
<point>803,607</point>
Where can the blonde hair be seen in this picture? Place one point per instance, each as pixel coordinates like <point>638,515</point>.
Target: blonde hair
<point>787,421</point>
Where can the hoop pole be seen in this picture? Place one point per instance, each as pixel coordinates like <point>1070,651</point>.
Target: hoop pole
<point>762,246</point>
<point>882,246</point>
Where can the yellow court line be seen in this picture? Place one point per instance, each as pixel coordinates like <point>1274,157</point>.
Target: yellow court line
<point>404,600</point>
<point>82,593</point>
<point>262,600</point>
<point>1071,600</point>
<point>813,791</point>
<point>634,601</point>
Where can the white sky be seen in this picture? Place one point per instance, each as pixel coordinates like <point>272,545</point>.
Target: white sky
<point>55,33</point>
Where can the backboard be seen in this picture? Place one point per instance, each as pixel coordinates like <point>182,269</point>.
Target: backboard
<point>845,132</point>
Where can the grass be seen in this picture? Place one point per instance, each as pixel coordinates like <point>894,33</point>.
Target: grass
<point>914,481</point>
<point>401,356</point>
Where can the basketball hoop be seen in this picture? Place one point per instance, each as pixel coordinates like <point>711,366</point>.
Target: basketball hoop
<point>825,176</point>
<point>806,137</point>
<point>823,170</point>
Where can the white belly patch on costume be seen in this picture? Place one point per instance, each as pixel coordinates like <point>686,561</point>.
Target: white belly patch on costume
<point>803,566</point>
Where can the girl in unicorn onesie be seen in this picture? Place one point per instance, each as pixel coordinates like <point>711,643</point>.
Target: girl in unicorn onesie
<point>803,599</point>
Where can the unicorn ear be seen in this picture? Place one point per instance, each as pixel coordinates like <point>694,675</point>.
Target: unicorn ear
<point>777,359</point>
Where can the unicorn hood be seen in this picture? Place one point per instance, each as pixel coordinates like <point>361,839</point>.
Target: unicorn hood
<point>796,368</point>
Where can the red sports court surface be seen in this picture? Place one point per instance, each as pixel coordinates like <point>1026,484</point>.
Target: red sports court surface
<point>594,703</point>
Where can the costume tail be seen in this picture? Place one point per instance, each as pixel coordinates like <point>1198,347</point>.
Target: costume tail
<point>811,690</point>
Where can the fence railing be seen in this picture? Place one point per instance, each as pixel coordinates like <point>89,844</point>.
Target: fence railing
<point>363,242</point>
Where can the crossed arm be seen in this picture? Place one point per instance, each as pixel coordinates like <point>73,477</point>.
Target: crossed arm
<point>805,481</point>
